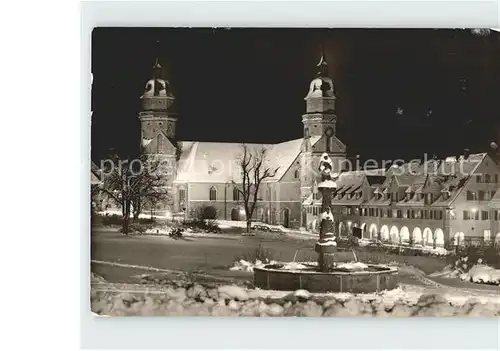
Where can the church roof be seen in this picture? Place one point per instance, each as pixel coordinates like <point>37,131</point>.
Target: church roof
<point>217,162</point>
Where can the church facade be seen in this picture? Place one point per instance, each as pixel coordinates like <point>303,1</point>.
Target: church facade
<point>206,173</point>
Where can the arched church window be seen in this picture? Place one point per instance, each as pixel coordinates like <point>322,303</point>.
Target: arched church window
<point>236,194</point>
<point>182,195</point>
<point>296,174</point>
<point>213,194</point>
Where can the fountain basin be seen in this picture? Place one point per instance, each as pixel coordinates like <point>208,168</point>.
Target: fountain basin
<point>373,279</point>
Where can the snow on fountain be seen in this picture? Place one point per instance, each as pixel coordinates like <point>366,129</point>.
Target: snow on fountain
<point>333,272</point>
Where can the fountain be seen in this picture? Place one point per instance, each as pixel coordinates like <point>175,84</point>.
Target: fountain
<point>335,271</point>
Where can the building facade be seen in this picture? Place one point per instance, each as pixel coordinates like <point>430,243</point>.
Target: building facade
<point>433,203</point>
<point>207,173</point>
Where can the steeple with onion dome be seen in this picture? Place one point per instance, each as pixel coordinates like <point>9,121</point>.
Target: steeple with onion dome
<point>320,102</point>
<point>320,132</point>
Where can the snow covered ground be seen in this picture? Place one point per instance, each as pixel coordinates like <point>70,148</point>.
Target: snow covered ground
<point>478,273</point>
<point>119,213</point>
<point>193,299</point>
<point>481,273</point>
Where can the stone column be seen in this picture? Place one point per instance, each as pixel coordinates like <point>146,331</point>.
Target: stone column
<point>326,246</point>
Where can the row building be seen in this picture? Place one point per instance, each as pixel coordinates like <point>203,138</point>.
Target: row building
<point>435,203</point>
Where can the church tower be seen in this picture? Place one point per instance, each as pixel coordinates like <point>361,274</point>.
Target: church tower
<point>158,123</point>
<point>320,130</point>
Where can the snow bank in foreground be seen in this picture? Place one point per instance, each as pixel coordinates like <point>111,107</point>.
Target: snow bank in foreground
<point>193,299</point>
<point>482,274</point>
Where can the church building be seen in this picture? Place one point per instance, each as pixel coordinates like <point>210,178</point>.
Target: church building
<point>205,173</point>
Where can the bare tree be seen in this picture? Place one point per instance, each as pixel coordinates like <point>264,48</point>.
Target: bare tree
<point>254,168</point>
<point>132,184</point>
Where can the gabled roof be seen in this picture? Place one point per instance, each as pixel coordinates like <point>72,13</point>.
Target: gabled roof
<point>217,162</point>
<point>94,179</point>
<point>432,176</point>
<point>375,179</point>
<point>341,147</point>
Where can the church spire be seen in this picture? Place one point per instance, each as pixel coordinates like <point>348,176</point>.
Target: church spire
<point>158,69</point>
<point>322,64</point>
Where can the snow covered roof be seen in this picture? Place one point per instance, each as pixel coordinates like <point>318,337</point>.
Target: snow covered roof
<point>217,162</point>
<point>94,179</point>
<point>432,176</point>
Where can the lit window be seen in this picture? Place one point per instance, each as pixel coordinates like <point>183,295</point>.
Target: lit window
<point>471,196</point>
<point>487,235</point>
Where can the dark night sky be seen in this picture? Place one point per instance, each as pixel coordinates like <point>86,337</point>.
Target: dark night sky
<point>249,84</point>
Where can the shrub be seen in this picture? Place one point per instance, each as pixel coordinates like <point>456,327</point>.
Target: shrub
<point>113,219</point>
<point>208,212</point>
<point>259,253</point>
<point>209,226</point>
<point>347,242</point>
<point>204,219</point>
<point>135,228</point>
<point>176,233</point>
<point>488,254</point>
